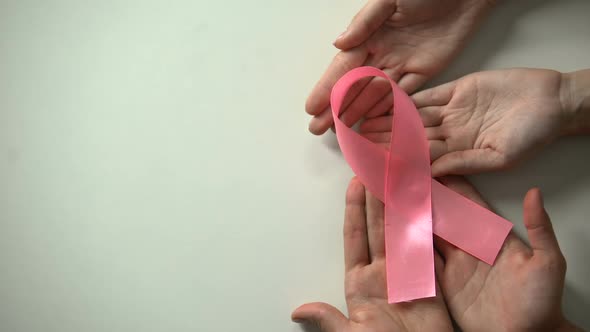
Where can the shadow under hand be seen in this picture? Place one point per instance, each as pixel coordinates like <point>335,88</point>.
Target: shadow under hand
<point>331,142</point>
<point>490,37</point>
<point>306,327</point>
<point>561,172</point>
<point>575,308</point>
<point>563,166</point>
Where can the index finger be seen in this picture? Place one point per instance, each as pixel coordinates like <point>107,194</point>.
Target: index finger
<point>319,98</point>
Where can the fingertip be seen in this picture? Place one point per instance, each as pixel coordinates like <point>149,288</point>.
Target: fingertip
<point>346,43</point>
<point>534,197</point>
<point>534,209</point>
<point>439,167</point>
<point>321,123</point>
<point>297,315</point>
<point>540,230</point>
<point>341,41</point>
<point>325,316</point>
<point>436,96</point>
<point>355,194</point>
<point>314,105</point>
<point>532,205</point>
<point>467,162</point>
<point>437,171</point>
<point>454,163</point>
<point>313,128</point>
<point>366,22</point>
<point>312,110</point>
<point>354,180</point>
<point>411,82</point>
<point>302,314</point>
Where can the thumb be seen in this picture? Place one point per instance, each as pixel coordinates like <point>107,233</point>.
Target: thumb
<point>367,21</point>
<point>538,225</point>
<point>325,316</point>
<point>467,162</point>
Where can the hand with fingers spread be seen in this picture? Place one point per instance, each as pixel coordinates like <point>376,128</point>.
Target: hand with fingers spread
<point>411,40</point>
<point>522,291</point>
<point>365,286</point>
<point>492,120</point>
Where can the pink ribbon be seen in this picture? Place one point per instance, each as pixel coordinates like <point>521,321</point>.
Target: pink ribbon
<point>416,206</point>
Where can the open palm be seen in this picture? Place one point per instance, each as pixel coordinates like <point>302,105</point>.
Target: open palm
<point>365,285</point>
<point>486,121</point>
<point>522,291</point>
<point>411,40</point>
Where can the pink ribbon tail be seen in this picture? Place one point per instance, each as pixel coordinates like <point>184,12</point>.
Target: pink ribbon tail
<point>416,206</point>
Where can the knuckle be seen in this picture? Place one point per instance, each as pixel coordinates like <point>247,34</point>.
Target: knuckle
<point>364,313</point>
<point>554,264</point>
<point>518,257</point>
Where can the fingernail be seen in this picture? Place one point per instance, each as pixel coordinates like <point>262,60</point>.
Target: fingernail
<point>541,198</point>
<point>340,37</point>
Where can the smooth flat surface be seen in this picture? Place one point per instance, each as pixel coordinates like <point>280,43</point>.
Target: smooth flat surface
<point>157,175</point>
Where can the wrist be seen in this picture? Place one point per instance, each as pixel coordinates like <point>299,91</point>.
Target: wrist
<point>575,102</point>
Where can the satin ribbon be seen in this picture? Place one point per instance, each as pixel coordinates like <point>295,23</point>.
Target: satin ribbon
<point>416,206</point>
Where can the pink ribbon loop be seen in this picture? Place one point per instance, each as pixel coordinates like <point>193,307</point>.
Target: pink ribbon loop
<point>416,206</point>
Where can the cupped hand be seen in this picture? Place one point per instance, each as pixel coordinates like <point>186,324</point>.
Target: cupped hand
<point>489,120</point>
<point>522,291</point>
<point>411,40</point>
<point>365,285</point>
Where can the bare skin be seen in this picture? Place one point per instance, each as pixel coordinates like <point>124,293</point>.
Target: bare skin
<point>411,40</point>
<point>522,291</point>
<point>493,120</point>
<point>365,286</point>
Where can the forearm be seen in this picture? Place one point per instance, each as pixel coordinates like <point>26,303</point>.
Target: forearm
<point>575,97</point>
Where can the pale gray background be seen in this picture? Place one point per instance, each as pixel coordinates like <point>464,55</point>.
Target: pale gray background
<point>156,173</point>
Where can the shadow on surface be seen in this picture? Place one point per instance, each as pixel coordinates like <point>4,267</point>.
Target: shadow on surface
<point>331,142</point>
<point>561,166</point>
<point>308,327</point>
<point>575,308</point>
<point>490,37</point>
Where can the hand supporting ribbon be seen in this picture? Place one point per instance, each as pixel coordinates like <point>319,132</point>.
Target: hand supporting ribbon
<point>416,206</point>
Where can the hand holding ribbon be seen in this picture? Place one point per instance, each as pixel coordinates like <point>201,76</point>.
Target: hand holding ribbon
<point>416,206</point>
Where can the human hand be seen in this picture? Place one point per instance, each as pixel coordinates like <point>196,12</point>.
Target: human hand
<point>522,291</point>
<point>488,120</point>
<point>365,285</point>
<point>411,40</point>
